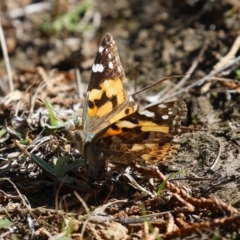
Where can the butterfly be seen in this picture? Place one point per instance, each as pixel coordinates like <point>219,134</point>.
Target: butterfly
<point>113,127</point>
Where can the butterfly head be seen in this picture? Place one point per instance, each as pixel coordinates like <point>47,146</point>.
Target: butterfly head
<point>81,138</point>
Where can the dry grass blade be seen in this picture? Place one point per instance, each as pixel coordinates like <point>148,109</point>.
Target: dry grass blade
<point>200,81</point>
<point>6,58</point>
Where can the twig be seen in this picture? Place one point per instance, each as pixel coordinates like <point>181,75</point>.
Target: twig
<point>197,83</point>
<point>6,57</point>
<point>218,156</point>
<point>79,83</point>
<point>39,89</point>
<point>57,205</point>
<point>108,195</point>
<point>136,77</point>
<point>82,202</point>
<point>20,195</point>
<point>156,83</point>
<point>97,17</point>
<point>134,184</point>
<point>193,67</point>
<point>219,222</point>
<point>221,79</point>
<point>30,9</point>
<point>230,55</point>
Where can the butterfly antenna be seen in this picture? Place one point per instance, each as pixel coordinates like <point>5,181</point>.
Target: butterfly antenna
<point>151,85</point>
<point>136,77</point>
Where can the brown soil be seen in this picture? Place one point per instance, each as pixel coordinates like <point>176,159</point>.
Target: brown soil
<point>194,43</point>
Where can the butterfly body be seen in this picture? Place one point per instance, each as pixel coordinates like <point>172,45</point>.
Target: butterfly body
<point>113,128</point>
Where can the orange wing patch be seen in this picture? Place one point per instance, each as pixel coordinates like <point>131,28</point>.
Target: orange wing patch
<point>122,126</point>
<point>102,101</point>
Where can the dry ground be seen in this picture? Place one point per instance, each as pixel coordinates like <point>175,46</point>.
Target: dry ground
<point>197,42</point>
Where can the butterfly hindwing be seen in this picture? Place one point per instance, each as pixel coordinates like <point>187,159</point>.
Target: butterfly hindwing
<point>165,118</point>
<point>147,135</point>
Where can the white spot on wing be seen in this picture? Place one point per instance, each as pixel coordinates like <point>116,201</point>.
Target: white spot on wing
<point>165,117</point>
<point>137,147</point>
<point>147,113</point>
<point>110,65</point>
<point>97,68</point>
<point>109,55</point>
<point>100,49</point>
<point>162,105</point>
<point>131,99</point>
<point>125,124</point>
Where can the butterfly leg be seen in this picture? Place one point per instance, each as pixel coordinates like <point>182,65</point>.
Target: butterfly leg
<point>96,162</point>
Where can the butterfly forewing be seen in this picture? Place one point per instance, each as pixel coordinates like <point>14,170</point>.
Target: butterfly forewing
<point>106,99</point>
<point>107,64</point>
